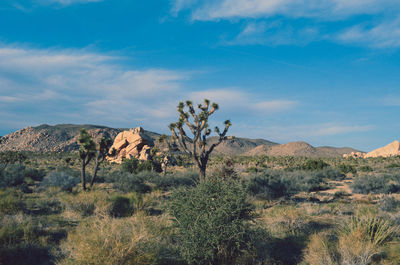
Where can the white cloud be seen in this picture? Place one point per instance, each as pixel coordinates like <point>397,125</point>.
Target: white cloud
<point>316,12</point>
<point>233,100</point>
<point>383,35</point>
<point>273,33</point>
<point>324,9</point>
<point>65,2</point>
<point>79,86</point>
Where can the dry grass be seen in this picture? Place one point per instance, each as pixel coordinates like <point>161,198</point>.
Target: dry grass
<point>110,241</point>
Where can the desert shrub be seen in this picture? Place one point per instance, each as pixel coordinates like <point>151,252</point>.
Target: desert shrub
<point>318,251</point>
<point>178,179</point>
<point>286,220</point>
<point>127,182</point>
<point>11,202</point>
<point>121,206</point>
<point>20,241</point>
<point>110,241</point>
<point>85,204</point>
<point>12,176</point>
<point>389,204</point>
<point>130,165</point>
<point>312,164</point>
<point>211,220</point>
<point>365,169</point>
<point>345,168</point>
<point>134,165</point>
<point>393,165</point>
<point>34,174</point>
<point>331,174</point>
<point>359,240</point>
<point>65,180</point>
<point>227,169</point>
<point>375,184</point>
<point>275,184</point>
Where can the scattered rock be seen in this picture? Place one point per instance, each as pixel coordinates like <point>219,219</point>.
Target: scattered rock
<point>355,155</point>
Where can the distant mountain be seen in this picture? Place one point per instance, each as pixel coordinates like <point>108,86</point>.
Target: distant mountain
<point>63,138</point>
<point>299,149</point>
<point>46,138</point>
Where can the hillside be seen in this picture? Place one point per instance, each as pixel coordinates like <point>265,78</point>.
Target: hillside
<point>63,138</point>
<point>46,138</point>
<point>299,149</point>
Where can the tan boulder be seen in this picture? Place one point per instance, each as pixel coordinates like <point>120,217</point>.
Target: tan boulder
<point>131,144</point>
<point>392,149</point>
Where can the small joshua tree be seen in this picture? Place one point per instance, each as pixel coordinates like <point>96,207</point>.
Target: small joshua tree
<point>166,158</point>
<point>196,147</point>
<point>87,152</point>
<point>101,153</point>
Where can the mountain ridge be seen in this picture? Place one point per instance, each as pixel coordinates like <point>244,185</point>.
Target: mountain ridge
<point>63,138</point>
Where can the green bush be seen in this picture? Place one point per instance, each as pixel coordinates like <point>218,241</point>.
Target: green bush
<point>121,206</point>
<point>314,165</point>
<point>393,165</point>
<point>211,221</point>
<point>127,182</point>
<point>134,165</point>
<point>12,176</point>
<point>366,169</point>
<point>11,202</point>
<point>389,204</point>
<point>65,180</point>
<point>277,183</point>
<point>347,169</point>
<point>20,241</point>
<point>376,184</point>
<point>175,180</point>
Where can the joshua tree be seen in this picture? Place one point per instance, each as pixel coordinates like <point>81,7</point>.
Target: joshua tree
<point>196,147</point>
<point>101,153</point>
<point>166,155</point>
<point>87,152</point>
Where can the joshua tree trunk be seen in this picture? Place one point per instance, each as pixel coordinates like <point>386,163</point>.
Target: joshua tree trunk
<point>83,174</point>
<point>96,169</point>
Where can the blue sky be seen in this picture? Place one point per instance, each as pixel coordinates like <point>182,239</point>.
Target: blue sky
<point>321,71</point>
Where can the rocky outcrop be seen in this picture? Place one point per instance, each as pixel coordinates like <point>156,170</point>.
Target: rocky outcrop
<point>131,144</point>
<point>392,149</point>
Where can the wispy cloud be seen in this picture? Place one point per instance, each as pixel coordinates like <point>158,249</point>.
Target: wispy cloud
<point>383,35</point>
<point>80,86</point>
<point>323,9</point>
<point>370,32</point>
<point>273,33</point>
<point>235,101</point>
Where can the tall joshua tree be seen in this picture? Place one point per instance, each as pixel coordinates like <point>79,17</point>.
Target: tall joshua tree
<point>196,147</point>
<point>87,152</point>
<point>101,153</point>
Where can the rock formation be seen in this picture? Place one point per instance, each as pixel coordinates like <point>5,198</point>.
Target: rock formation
<point>133,143</point>
<point>392,149</point>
